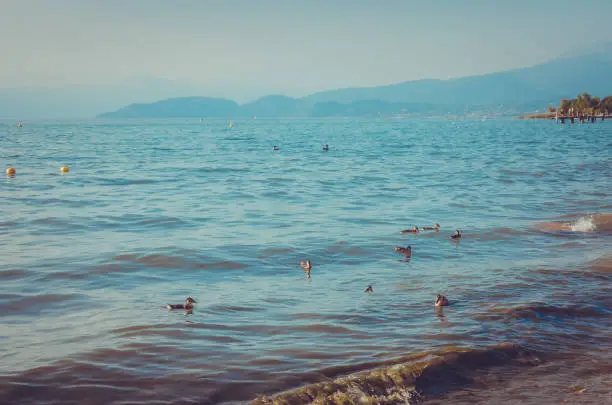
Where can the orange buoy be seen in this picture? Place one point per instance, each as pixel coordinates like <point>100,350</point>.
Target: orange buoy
<point>64,169</point>
<point>11,171</point>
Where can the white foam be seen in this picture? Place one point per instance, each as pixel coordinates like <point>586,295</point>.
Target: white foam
<point>584,224</point>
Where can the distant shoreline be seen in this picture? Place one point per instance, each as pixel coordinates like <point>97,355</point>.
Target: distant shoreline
<point>549,116</point>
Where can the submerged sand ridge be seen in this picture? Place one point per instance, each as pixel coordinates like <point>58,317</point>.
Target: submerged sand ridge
<point>583,223</point>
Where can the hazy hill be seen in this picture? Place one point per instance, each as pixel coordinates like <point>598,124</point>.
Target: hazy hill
<point>519,90</point>
<point>87,101</point>
<point>515,90</point>
<point>181,107</point>
<point>540,84</point>
<point>276,106</point>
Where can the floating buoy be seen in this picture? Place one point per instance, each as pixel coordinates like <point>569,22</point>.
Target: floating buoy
<point>20,125</point>
<point>11,171</point>
<point>64,169</point>
<point>231,124</point>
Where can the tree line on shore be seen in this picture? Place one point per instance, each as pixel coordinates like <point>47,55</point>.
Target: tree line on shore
<point>584,104</point>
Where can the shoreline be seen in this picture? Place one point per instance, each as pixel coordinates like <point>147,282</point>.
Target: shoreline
<point>539,373</point>
<point>551,116</point>
<point>425,375</point>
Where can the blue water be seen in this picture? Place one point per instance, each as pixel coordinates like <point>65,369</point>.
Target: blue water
<point>153,211</point>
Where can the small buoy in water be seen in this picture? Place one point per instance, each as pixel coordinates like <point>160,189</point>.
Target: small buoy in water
<point>231,124</point>
<point>64,169</point>
<point>20,125</point>
<point>11,171</point>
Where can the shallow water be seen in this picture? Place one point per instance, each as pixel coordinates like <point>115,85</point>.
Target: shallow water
<point>154,211</point>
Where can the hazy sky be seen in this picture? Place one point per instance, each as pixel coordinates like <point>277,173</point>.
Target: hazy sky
<point>241,48</point>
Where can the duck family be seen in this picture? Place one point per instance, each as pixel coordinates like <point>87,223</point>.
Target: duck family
<point>306,265</point>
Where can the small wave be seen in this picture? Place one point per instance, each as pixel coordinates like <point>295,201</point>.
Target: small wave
<point>344,249</point>
<point>223,169</point>
<point>13,274</point>
<point>431,375</point>
<point>498,234</point>
<point>602,264</point>
<point>37,304</point>
<point>270,252</point>
<point>584,224</point>
<point>325,329</point>
<point>567,245</point>
<point>235,308</point>
<point>167,333</point>
<point>163,261</point>
<point>541,311</point>
<point>137,328</point>
<point>520,173</point>
<point>55,202</point>
<point>125,182</point>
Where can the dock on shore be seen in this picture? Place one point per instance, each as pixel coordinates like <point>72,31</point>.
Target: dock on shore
<point>571,118</point>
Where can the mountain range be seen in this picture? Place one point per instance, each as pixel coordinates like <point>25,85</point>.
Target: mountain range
<point>512,91</point>
<point>509,92</point>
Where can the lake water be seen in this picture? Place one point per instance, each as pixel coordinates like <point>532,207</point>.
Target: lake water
<point>154,211</point>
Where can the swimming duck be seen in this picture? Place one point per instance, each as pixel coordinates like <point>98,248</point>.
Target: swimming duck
<point>369,289</point>
<point>188,304</point>
<point>406,251</point>
<point>413,230</point>
<point>456,235</point>
<point>275,147</point>
<point>307,266</point>
<point>326,147</point>
<point>431,228</point>
<point>441,301</point>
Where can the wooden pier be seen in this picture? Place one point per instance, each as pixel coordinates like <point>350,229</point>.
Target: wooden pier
<point>580,118</point>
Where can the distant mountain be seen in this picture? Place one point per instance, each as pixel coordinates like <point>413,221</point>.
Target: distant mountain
<point>276,106</point>
<point>536,85</point>
<point>87,101</point>
<point>373,108</point>
<point>517,90</point>
<point>181,107</point>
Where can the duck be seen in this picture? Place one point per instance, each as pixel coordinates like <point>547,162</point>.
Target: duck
<point>307,266</point>
<point>275,147</point>
<point>456,235</point>
<point>326,147</point>
<point>189,301</point>
<point>406,251</point>
<point>369,289</point>
<point>413,230</point>
<point>441,301</point>
<point>436,227</point>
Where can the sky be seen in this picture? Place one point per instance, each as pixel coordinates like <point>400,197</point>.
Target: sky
<point>242,49</point>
